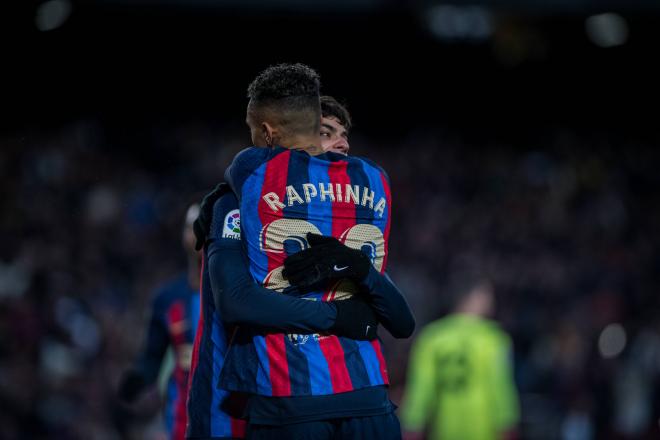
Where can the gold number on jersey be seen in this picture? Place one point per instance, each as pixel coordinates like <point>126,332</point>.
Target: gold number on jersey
<point>285,232</point>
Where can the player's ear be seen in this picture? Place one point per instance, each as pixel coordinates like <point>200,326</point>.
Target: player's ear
<point>267,132</point>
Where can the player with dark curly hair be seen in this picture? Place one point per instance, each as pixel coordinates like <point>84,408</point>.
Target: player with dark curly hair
<point>313,225</point>
<point>284,108</point>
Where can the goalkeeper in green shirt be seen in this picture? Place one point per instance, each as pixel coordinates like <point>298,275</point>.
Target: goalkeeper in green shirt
<point>460,377</point>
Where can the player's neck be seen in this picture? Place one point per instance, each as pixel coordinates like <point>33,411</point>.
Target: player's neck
<point>309,144</point>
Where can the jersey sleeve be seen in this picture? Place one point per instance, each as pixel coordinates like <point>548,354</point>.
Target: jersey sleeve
<point>226,220</point>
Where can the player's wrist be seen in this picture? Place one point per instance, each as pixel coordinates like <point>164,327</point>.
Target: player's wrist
<point>370,279</point>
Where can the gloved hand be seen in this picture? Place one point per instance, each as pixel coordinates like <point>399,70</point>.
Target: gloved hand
<point>355,319</point>
<point>202,225</point>
<point>325,260</point>
<point>131,385</point>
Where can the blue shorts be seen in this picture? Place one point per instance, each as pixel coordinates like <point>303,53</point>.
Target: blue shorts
<point>380,427</point>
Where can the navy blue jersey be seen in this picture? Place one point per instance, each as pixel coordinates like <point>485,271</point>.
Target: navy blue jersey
<point>208,413</point>
<point>283,195</point>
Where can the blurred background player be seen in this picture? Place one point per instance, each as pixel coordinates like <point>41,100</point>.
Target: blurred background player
<point>173,323</point>
<point>460,378</point>
<point>335,125</point>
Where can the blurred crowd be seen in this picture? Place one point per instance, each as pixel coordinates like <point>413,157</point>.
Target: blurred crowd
<point>565,222</point>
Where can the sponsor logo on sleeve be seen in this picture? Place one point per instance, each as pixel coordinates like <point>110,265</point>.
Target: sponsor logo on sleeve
<point>232,225</point>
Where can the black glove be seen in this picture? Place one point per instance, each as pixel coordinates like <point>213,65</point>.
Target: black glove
<point>326,260</point>
<point>355,320</point>
<point>131,385</point>
<point>202,225</point>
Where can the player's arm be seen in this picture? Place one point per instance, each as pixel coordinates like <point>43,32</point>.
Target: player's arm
<point>389,303</point>
<point>242,301</point>
<point>244,163</point>
<point>327,260</point>
<point>419,401</point>
<point>145,371</point>
<point>391,306</point>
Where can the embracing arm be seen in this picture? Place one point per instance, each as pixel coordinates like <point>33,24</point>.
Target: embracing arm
<point>389,303</point>
<point>240,300</point>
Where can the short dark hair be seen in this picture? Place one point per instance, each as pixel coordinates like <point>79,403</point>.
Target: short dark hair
<point>284,81</point>
<point>330,107</point>
<point>291,93</point>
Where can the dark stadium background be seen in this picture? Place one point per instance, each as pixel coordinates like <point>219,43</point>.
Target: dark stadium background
<point>522,148</point>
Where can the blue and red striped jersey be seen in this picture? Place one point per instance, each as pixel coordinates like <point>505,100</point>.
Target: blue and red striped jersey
<point>209,405</point>
<point>174,314</point>
<point>283,194</point>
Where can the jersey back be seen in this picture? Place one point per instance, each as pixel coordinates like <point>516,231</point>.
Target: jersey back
<point>283,195</point>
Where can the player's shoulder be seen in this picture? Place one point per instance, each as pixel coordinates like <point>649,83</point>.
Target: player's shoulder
<point>435,329</point>
<point>250,153</point>
<point>246,162</point>
<point>365,160</point>
<point>492,330</point>
<point>253,157</point>
<point>451,325</point>
<point>226,201</point>
<point>249,158</point>
<point>370,164</point>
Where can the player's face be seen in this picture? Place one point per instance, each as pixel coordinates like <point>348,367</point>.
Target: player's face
<point>334,136</point>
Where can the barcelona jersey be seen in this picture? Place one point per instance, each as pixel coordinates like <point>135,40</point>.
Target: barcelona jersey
<point>209,406</point>
<point>284,194</point>
<point>174,315</point>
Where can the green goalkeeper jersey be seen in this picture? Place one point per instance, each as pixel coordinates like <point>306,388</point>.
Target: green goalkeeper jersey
<point>460,381</point>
